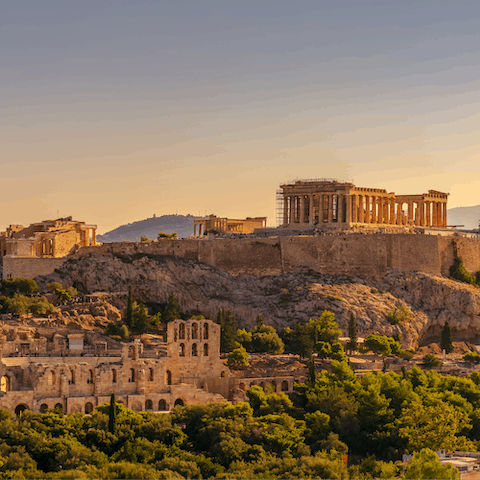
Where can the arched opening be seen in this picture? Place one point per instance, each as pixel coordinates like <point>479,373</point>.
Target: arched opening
<point>169,377</point>
<point>223,374</point>
<point>90,376</point>
<point>194,349</point>
<point>19,409</point>
<point>72,377</point>
<point>162,405</point>
<point>114,376</point>
<point>181,331</point>
<point>194,331</point>
<point>132,375</point>
<point>205,350</point>
<point>150,374</point>
<point>284,386</point>
<point>5,385</point>
<point>179,401</point>
<point>205,331</point>
<point>51,377</point>
<point>88,407</point>
<point>149,405</point>
<point>43,407</point>
<point>182,350</point>
<point>58,407</point>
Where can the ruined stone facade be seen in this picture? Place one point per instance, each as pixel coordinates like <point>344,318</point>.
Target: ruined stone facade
<point>50,239</point>
<point>330,204</point>
<point>37,374</point>
<point>214,224</point>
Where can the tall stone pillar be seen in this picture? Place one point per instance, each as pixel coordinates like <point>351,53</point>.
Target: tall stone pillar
<point>399,214</point>
<point>444,214</point>
<point>421,208</point>
<point>330,208</point>
<point>361,209</point>
<point>285,210</point>
<point>291,215</point>
<point>310,210</point>
<point>348,203</point>
<point>340,200</point>
<point>410,212</point>
<point>354,208</point>
<point>380,210</point>
<point>367,208</point>
<point>302,209</point>
<point>320,208</point>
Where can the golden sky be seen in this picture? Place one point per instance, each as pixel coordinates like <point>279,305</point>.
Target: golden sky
<point>114,111</point>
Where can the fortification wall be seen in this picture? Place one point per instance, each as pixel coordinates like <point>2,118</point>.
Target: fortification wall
<point>365,256</point>
<point>30,267</point>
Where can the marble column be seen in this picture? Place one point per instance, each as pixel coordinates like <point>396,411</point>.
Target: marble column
<point>348,202</point>
<point>310,210</point>
<point>302,209</point>
<point>361,210</point>
<point>285,210</point>
<point>340,200</point>
<point>367,208</point>
<point>444,206</point>
<point>330,208</point>
<point>410,212</point>
<point>380,210</point>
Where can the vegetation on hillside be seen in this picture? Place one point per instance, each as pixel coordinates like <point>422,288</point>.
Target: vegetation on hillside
<point>18,297</point>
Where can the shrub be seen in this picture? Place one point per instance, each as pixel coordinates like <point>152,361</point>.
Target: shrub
<point>430,360</point>
<point>397,315</point>
<point>472,357</point>
<point>459,272</point>
<point>238,357</point>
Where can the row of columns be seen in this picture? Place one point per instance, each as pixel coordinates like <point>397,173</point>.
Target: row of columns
<point>373,209</point>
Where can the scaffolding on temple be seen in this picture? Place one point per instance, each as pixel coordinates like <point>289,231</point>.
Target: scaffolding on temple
<point>279,214</point>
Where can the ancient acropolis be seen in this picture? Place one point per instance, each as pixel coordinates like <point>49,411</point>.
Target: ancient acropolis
<point>330,204</point>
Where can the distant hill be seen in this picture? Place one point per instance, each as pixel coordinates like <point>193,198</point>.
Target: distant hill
<point>468,216</point>
<point>181,224</point>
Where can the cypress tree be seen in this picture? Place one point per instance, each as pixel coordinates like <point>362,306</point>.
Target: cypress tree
<point>129,314</point>
<point>446,342</point>
<point>112,415</point>
<point>172,309</point>
<point>352,333</point>
<point>312,374</point>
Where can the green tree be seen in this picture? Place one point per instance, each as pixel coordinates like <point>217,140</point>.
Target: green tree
<point>265,339</point>
<point>430,360</point>
<point>21,285</point>
<point>352,333</point>
<point>129,312</point>
<point>446,341</point>
<point>324,328</point>
<point>227,331</point>
<point>112,415</point>
<point>298,340</point>
<point>143,239</point>
<point>172,309</point>
<point>426,465</point>
<point>238,357</point>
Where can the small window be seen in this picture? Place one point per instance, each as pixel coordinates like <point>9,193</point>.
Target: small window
<point>149,405</point>
<point>181,331</point>
<point>169,377</point>
<point>194,349</point>
<point>132,375</point>
<point>5,385</point>
<point>114,376</point>
<point>51,378</point>
<point>205,331</point>
<point>182,349</point>
<point>150,375</point>
<point>205,350</point>
<point>194,331</point>
<point>88,408</point>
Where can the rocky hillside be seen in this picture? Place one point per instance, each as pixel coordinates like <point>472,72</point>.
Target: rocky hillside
<point>420,302</point>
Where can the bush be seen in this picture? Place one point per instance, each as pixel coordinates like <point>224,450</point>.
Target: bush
<point>238,357</point>
<point>459,272</point>
<point>473,357</point>
<point>430,360</point>
<point>397,315</point>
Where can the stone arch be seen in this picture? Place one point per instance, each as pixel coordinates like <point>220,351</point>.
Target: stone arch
<point>182,350</point>
<point>194,331</point>
<point>162,405</point>
<point>181,331</point>
<point>72,377</point>
<point>273,386</point>
<point>51,377</point>
<point>88,407</point>
<point>114,375</point>
<point>194,349</point>
<point>205,331</point>
<point>205,349</point>
<point>132,375</point>
<point>150,374</point>
<point>284,386</point>
<point>148,405</point>
<point>179,401</point>
<point>19,409</point>
<point>5,384</point>
<point>169,377</point>
<point>58,406</point>
<point>43,407</point>
<point>90,376</point>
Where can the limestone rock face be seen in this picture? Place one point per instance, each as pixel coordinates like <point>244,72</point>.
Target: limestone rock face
<point>420,302</point>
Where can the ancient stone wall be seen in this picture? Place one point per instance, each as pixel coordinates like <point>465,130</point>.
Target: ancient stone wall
<point>365,256</point>
<point>30,267</point>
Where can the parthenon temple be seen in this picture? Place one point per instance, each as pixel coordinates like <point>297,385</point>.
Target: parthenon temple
<point>329,203</point>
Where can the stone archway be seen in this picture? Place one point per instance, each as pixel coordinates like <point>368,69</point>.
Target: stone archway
<point>19,409</point>
<point>179,401</point>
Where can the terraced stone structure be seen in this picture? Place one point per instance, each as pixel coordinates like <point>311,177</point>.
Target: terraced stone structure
<point>330,204</point>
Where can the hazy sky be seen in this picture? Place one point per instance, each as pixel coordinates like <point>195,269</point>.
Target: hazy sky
<point>112,111</point>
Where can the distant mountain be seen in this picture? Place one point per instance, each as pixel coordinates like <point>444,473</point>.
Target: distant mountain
<point>468,216</point>
<point>181,224</point>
